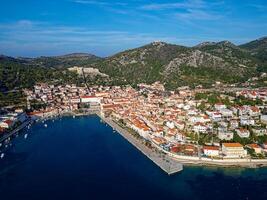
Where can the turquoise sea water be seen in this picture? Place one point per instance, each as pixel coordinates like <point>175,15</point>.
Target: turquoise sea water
<point>82,158</point>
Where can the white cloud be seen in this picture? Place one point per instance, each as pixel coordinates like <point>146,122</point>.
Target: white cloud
<point>99,3</point>
<point>90,2</point>
<point>164,6</point>
<point>41,37</point>
<point>194,14</point>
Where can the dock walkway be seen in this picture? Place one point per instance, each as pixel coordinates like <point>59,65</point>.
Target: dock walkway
<point>23,125</point>
<point>167,164</point>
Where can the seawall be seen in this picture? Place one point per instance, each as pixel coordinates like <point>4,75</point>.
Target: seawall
<point>167,164</point>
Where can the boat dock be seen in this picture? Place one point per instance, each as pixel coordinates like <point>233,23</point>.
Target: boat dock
<point>8,135</point>
<point>166,163</point>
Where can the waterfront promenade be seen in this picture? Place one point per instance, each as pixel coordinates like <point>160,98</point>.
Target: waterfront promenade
<point>172,163</point>
<point>226,162</point>
<point>167,164</point>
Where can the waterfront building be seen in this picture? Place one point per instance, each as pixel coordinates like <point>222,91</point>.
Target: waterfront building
<point>7,123</point>
<point>255,147</point>
<point>233,150</point>
<point>211,151</point>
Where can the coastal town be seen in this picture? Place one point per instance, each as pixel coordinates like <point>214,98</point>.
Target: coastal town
<point>185,124</point>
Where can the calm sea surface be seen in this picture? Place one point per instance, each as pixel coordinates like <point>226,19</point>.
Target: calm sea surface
<point>83,159</point>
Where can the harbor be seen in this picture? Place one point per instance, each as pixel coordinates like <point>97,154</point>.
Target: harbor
<point>166,163</point>
<point>171,163</point>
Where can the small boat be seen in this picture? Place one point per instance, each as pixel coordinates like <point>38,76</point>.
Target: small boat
<point>25,136</point>
<point>7,141</point>
<point>2,155</point>
<point>73,116</point>
<point>0,144</point>
<point>45,125</point>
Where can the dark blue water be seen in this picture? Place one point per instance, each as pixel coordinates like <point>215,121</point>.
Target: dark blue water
<point>83,159</point>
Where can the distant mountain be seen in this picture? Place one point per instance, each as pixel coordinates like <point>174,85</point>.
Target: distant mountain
<point>4,58</point>
<point>144,64</point>
<point>77,55</point>
<point>173,65</point>
<point>256,45</point>
<point>258,49</point>
<point>177,65</point>
<point>64,61</point>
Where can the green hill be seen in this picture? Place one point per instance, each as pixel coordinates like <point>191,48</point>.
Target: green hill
<point>178,65</point>
<point>258,49</point>
<point>70,60</point>
<point>15,75</point>
<point>173,65</point>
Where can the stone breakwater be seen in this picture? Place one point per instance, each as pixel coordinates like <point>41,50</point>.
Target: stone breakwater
<point>167,164</point>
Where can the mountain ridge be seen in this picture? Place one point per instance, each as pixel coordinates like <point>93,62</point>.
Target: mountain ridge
<point>172,64</point>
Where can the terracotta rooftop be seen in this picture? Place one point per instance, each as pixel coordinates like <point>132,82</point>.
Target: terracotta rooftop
<point>232,145</point>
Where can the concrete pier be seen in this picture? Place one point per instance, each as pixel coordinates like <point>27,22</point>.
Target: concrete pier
<point>23,125</point>
<point>167,164</point>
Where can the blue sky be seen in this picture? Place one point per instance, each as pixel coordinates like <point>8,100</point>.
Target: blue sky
<point>104,27</point>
